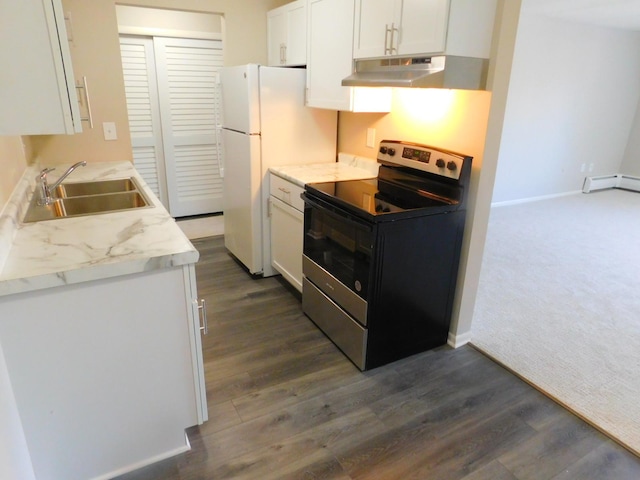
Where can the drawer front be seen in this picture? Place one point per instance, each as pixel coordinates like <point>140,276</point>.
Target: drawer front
<point>350,301</point>
<point>348,335</point>
<point>286,191</point>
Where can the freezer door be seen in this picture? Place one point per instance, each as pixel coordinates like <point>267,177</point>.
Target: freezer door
<point>240,98</point>
<point>242,194</point>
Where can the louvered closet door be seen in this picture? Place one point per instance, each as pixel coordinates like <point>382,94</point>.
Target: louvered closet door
<point>189,105</point>
<point>141,88</point>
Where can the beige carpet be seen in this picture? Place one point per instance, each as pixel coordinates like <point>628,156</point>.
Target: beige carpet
<point>559,303</point>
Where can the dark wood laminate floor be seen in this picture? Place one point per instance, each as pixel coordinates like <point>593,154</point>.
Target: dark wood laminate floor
<point>284,403</point>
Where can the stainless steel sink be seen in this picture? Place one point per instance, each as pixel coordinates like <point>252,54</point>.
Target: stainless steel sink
<point>88,198</point>
<point>99,187</point>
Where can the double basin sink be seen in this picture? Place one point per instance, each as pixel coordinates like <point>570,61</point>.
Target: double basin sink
<point>88,198</point>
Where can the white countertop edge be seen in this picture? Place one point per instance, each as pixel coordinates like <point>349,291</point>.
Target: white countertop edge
<point>98,272</point>
<point>81,249</point>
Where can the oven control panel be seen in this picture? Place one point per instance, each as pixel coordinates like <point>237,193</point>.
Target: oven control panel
<point>421,157</point>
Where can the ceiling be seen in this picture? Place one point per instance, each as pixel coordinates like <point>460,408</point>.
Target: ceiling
<point>623,14</point>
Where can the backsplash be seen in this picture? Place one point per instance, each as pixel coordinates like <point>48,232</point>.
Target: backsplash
<point>13,210</point>
<point>369,164</point>
<point>12,158</point>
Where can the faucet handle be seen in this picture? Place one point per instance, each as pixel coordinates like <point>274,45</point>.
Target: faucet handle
<point>43,173</point>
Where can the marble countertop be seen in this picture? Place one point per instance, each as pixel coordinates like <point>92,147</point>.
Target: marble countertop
<point>79,249</point>
<point>348,167</point>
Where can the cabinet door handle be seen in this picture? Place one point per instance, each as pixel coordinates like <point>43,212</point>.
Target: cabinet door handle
<point>391,47</point>
<point>284,190</point>
<point>202,310</point>
<point>386,39</point>
<point>85,88</point>
<point>283,54</point>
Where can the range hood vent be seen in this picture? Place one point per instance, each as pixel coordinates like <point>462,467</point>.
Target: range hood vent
<point>466,73</point>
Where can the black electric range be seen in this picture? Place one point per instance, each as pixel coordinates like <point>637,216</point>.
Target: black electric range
<point>380,256</point>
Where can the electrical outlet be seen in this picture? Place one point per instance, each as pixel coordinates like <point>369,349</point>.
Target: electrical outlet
<point>583,167</point>
<point>109,129</point>
<point>591,167</point>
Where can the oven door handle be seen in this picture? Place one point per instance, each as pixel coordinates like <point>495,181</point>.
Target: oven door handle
<point>335,212</point>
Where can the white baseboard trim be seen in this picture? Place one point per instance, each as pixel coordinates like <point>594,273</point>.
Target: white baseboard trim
<point>457,341</point>
<point>625,182</point>
<point>534,199</point>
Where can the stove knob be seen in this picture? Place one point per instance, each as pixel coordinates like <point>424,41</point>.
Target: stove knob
<point>383,150</point>
<point>440,163</point>
<point>452,166</point>
<point>391,151</point>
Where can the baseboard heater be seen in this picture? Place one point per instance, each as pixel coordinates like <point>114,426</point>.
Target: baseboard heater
<point>625,182</point>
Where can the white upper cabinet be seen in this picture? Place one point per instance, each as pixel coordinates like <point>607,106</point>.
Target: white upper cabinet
<point>287,35</point>
<point>399,27</point>
<point>37,86</point>
<point>329,55</point>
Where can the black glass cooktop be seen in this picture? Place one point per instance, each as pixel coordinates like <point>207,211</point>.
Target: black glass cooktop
<point>375,197</point>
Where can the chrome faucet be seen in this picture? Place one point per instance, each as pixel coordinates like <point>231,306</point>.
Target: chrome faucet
<point>46,197</point>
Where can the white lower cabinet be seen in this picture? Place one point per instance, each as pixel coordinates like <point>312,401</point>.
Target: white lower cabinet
<point>287,229</point>
<point>107,374</point>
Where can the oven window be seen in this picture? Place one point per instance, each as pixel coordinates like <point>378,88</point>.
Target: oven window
<point>339,245</point>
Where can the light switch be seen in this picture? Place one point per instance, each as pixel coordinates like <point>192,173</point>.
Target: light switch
<point>371,137</point>
<point>109,129</point>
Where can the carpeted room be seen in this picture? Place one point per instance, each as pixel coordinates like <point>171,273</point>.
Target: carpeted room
<point>557,301</point>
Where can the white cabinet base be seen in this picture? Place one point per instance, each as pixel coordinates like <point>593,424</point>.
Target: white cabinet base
<point>103,372</point>
<point>287,231</point>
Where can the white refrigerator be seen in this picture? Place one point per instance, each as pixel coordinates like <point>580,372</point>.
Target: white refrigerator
<point>265,123</point>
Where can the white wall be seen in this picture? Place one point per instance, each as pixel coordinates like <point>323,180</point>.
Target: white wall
<point>631,162</point>
<point>572,98</point>
<point>168,23</point>
<point>14,163</point>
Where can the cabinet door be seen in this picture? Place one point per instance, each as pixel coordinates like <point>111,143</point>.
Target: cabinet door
<point>276,36</point>
<point>287,232</point>
<point>423,26</point>
<point>119,359</point>
<point>38,94</point>
<point>329,53</point>
<point>374,20</point>
<point>329,60</point>
<point>296,46</point>
<point>195,313</point>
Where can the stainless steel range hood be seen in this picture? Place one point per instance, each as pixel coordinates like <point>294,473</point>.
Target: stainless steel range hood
<point>467,73</point>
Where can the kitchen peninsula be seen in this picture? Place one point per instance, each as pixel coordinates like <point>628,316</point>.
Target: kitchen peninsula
<point>99,326</point>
